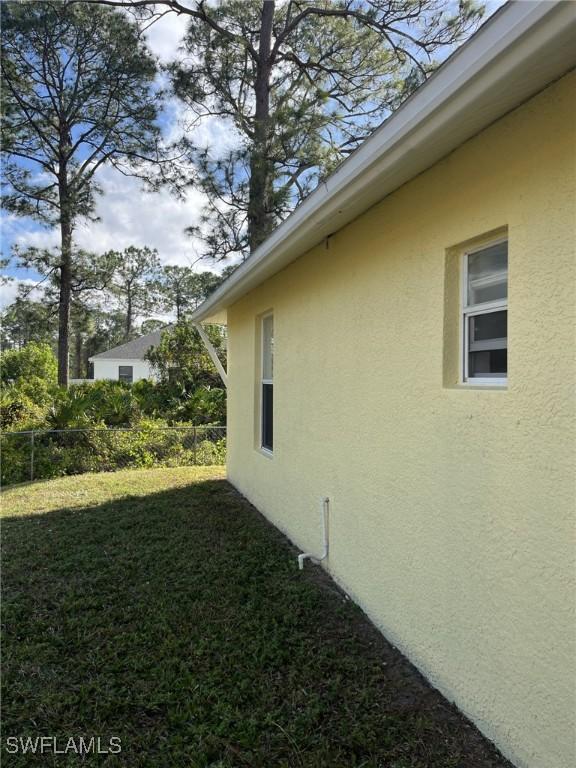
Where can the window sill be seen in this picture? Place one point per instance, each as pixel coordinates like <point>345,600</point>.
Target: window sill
<point>500,385</point>
<point>265,452</point>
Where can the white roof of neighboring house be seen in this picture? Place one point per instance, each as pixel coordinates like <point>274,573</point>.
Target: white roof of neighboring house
<point>132,350</point>
<point>520,50</point>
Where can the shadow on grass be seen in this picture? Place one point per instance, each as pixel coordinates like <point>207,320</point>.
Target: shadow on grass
<point>179,623</point>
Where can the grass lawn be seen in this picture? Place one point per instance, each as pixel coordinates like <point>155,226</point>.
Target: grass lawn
<point>159,607</point>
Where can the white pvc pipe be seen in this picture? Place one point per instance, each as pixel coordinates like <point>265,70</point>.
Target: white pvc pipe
<point>308,555</point>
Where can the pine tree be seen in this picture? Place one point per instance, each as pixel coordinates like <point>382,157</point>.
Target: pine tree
<point>78,93</point>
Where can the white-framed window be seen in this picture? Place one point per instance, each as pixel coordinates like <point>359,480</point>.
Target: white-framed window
<point>267,384</point>
<point>126,373</point>
<point>485,314</point>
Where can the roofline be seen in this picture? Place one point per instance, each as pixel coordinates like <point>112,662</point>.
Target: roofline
<point>526,45</point>
<point>104,355</point>
<point>97,359</point>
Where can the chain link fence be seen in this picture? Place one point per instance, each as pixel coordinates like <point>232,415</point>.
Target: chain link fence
<point>48,453</point>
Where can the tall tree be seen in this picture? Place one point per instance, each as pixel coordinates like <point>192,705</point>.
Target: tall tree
<point>82,326</point>
<point>181,289</point>
<point>135,283</point>
<point>35,359</point>
<point>89,275</point>
<point>301,83</point>
<point>181,354</point>
<point>106,330</point>
<point>24,321</point>
<point>152,325</point>
<point>78,93</point>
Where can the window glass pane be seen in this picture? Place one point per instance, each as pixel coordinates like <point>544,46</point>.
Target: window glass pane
<point>488,274</point>
<point>125,373</point>
<point>267,413</point>
<point>268,347</point>
<point>488,331</point>
<point>491,363</point>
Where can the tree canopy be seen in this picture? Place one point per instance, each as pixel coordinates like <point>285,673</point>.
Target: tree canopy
<point>36,359</point>
<point>78,93</point>
<point>182,356</point>
<point>24,321</point>
<point>298,84</point>
<point>181,289</point>
<point>134,280</point>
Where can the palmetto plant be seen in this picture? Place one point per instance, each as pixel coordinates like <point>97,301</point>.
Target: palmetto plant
<point>70,411</point>
<point>117,408</point>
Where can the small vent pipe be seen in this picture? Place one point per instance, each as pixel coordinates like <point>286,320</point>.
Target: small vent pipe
<point>325,509</point>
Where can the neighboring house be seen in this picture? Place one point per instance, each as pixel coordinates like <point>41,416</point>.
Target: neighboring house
<point>403,344</point>
<point>126,362</point>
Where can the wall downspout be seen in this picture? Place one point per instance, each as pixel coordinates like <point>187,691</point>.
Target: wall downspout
<point>308,555</point>
<point>212,352</point>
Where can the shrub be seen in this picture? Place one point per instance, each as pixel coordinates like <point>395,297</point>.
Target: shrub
<point>205,405</point>
<point>77,430</point>
<point>35,359</point>
<point>101,450</point>
<point>71,410</point>
<point>12,410</point>
<point>117,407</point>
<point>150,396</point>
<point>209,452</point>
<point>19,411</point>
<point>111,402</point>
<point>15,464</point>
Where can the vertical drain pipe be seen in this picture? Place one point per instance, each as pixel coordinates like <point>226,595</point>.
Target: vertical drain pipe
<point>308,555</point>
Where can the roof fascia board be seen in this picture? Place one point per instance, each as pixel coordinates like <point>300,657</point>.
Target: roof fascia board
<point>467,88</point>
<point>97,359</point>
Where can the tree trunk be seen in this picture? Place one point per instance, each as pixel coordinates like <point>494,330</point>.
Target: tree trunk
<point>86,364</point>
<point>261,190</point>
<point>66,226</point>
<point>65,287</point>
<point>78,350</point>
<point>128,329</point>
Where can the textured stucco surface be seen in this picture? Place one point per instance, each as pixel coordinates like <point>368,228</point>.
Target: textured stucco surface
<point>108,369</point>
<point>452,509</point>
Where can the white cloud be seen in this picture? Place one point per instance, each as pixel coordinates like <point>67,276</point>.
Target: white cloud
<point>130,216</point>
<point>37,238</point>
<point>164,36</point>
<point>213,132</point>
<point>9,291</point>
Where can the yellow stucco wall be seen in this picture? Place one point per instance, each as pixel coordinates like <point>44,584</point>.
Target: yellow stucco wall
<point>452,509</point>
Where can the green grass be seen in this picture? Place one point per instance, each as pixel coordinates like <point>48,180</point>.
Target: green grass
<point>159,607</point>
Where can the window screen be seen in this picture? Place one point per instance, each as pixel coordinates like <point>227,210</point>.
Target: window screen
<point>125,373</point>
<point>486,314</point>
<point>267,384</point>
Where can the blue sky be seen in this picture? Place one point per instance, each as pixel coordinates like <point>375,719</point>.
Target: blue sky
<point>129,216</point>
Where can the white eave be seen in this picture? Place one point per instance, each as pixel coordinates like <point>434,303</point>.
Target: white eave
<point>519,51</point>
